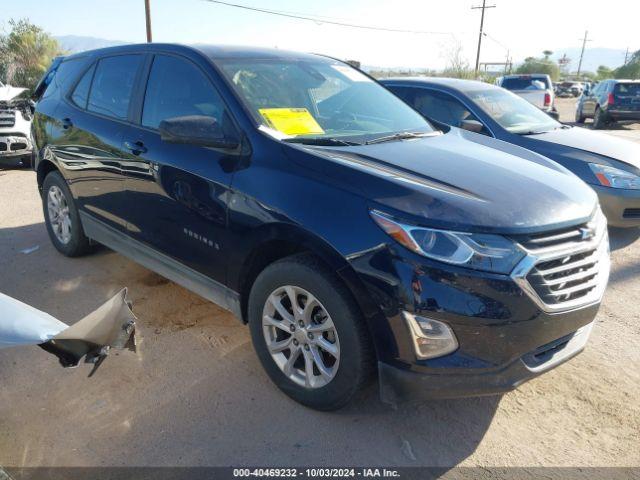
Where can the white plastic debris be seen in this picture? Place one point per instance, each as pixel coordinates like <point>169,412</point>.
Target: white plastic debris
<point>21,324</point>
<point>112,325</point>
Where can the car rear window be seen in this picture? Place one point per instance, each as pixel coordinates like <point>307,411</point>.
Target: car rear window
<point>112,85</point>
<point>630,89</point>
<point>525,83</point>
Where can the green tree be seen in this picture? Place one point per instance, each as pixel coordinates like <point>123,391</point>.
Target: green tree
<point>26,53</point>
<point>604,72</point>
<point>631,69</point>
<point>540,65</point>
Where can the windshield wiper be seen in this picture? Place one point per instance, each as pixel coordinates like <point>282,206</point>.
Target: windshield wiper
<point>322,141</point>
<point>398,136</point>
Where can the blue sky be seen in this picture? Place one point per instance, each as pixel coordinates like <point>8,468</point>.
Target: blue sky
<point>523,26</point>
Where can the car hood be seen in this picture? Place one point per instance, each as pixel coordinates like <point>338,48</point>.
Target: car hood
<point>596,142</point>
<point>467,182</point>
<point>8,92</point>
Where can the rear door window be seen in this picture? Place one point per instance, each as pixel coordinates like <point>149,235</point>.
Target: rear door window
<point>112,85</point>
<point>177,88</point>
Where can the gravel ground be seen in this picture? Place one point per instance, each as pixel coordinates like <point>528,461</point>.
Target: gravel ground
<point>196,395</point>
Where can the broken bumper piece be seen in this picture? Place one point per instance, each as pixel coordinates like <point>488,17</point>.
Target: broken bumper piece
<point>112,325</point>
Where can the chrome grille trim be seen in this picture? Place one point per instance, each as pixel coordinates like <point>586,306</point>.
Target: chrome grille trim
<point>570,271</point>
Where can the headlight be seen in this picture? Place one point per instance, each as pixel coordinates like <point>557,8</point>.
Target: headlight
<point>492,253</point>
<point>614,177</point>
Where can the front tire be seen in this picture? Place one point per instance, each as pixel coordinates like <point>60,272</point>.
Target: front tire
<point>309,334</point>
<point>579,116</point>
<point>62,218</point>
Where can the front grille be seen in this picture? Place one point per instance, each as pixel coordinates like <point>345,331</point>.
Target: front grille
<point>3,147</point>
<point>567,278</point>
<point>7,118</point>
<point>567,268</point>
<point>631,213</point>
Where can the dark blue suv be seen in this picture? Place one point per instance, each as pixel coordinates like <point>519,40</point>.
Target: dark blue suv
<point>298,193</point>
<point>610,101</point>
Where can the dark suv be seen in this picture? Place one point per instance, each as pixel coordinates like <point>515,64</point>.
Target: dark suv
<point>610,101</point>
<point>351,235</point>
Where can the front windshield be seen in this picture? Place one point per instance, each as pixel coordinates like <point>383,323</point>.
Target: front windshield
<point>513,113</point>
<point>309,100</point>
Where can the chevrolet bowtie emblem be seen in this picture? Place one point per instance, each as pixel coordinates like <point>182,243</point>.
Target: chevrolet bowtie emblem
<point>586,233</point>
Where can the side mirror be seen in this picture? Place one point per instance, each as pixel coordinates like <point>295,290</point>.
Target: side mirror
<point>196,130</point>
<point>472,126</point>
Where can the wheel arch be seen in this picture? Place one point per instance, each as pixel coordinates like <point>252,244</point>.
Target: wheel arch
<point>44,168</point>
<point>284,240</point>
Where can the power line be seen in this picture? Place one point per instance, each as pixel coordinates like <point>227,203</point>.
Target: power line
<point>483,7</point>
<point>318,19</point>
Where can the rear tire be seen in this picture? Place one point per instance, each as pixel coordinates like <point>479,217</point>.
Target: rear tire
<point>327,315</point>
<point>62,218</point>
<point>599,120</point>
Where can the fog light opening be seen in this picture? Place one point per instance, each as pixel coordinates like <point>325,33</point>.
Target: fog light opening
<point>431,338</point>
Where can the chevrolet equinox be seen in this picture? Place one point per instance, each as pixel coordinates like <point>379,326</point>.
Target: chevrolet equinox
<point>353,237</point>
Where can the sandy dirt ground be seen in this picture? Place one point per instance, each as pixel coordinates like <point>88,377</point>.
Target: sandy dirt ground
<point>195,393</point>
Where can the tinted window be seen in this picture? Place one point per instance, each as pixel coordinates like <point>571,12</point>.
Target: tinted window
<point>57,80</point>
<point>112,85</point>
<point>630,89</point>
<point>441,107</point>
<point>178,88</point>
<point>81,92</point>
<point>525,83</point>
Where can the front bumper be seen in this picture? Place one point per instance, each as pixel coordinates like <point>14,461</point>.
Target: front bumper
<point>621,207</point>
<point>502,328</point>
<point>14,149</point>
<point>398,385</point>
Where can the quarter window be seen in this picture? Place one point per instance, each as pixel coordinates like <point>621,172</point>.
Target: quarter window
<point>177,88</point>
<point>81,92</point>
<point>112,85</point>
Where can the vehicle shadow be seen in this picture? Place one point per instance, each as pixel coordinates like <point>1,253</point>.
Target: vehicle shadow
<point>620,238</point>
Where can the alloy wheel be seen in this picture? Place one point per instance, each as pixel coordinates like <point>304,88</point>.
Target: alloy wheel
<point>59,216</point>
<point>301,337</point>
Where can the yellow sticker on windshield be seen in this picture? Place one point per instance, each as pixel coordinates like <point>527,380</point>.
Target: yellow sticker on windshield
<point>291,121</point>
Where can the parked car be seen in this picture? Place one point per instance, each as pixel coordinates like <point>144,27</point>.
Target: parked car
<point>610,165</point>
<point>15,125</point>
<point>536,89</point>
<point>570,89</point>
<point>301,195</point>
<point>610,101</point>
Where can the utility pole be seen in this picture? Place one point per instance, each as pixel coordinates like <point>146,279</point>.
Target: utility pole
<point>584,43</point>
<point>147,14</point>
<point>626,56</point>
<point>483,8</point>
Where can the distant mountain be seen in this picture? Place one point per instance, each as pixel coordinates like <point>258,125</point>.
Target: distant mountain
<point>75,43</point>
<point>593,57</point>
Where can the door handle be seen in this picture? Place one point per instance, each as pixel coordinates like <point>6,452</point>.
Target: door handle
<point>67,123</point>
<point>135,147</point>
